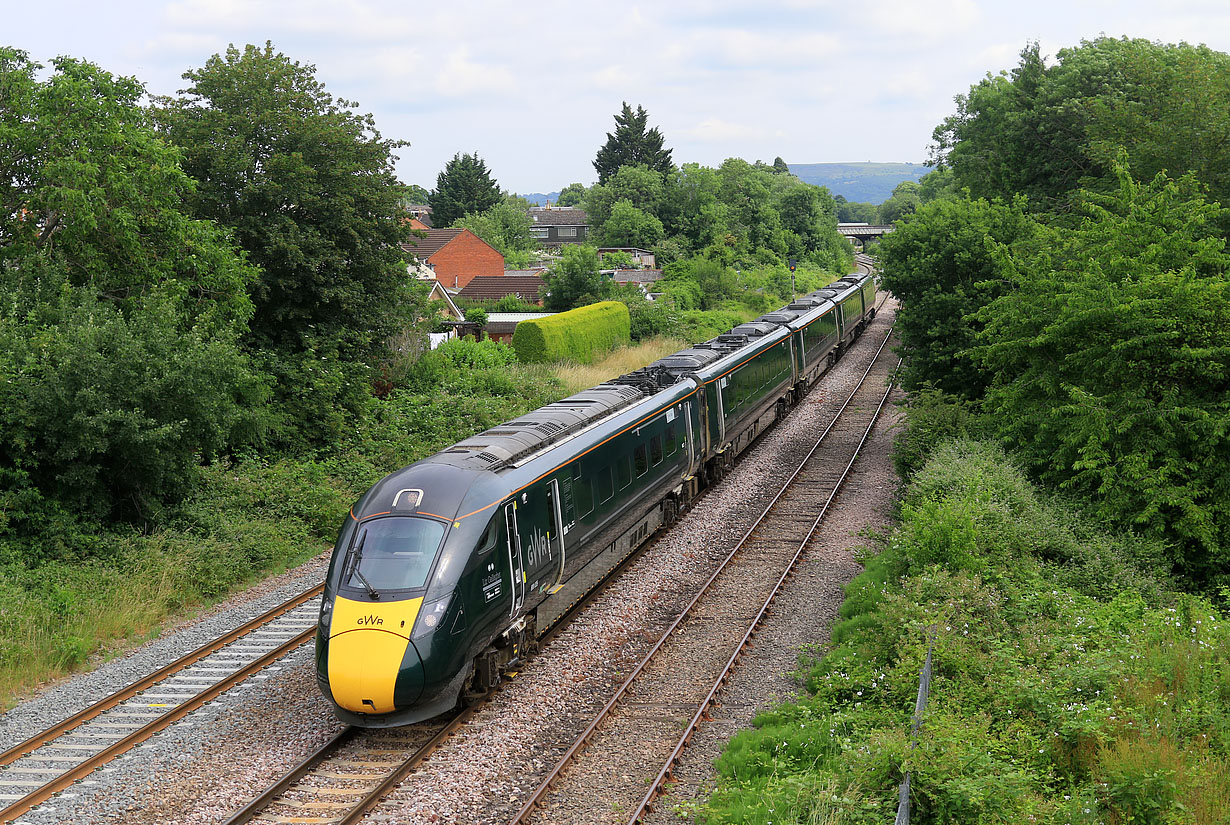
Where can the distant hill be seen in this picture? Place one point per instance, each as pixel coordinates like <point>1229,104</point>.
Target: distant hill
<point>859,182</point>
<point>539,199</point>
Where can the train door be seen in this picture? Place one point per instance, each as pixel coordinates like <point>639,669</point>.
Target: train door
<point>516,567</point>
<point>540,525</point>
<point>555,533</point>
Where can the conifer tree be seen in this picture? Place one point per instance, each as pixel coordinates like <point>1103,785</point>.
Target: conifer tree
<point>464,187</point>
<point>631,143</point>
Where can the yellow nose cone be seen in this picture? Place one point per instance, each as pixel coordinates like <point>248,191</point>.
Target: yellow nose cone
<point>367,642</point>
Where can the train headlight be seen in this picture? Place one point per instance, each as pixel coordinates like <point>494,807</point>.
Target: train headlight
<point>326,615</point>
<point>431,616</point>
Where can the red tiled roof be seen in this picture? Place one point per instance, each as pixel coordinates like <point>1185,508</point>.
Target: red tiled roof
<point>434,240</point>
<point>494,287</point>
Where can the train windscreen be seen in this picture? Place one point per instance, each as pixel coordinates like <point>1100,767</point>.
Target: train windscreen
<point>392,554</point>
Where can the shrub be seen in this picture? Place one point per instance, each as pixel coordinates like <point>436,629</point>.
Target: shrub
<point>578,334</point>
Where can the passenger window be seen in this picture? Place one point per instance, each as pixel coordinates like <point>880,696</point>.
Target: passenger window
<point>605,488</point>
<point>583,496</point>
<point>655,450</point>
<point>672,446</point>
<point>641,459</point>
<point>624,467</point>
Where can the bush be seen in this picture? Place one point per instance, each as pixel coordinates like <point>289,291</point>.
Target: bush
<point>579,334</point>
<point>110,412</point>
<point>1055,696</point>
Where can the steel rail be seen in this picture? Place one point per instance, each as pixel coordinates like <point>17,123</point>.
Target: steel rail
<point>262,800</point>
<point>83,769</point>
<point>664,775</point>
<point>540,793</point>
<point>107,703</point>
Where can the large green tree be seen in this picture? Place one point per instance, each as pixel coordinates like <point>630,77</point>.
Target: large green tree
<point>632,143</point>
<point>629,226</point>
<point>309,188</point>
<point>574,279</point>
<point>119,313</point>
<point>463,187</point>
<point>1111,359</point>
<point>507,226</point>
<point>946,262</point>
<point>1045,131</point>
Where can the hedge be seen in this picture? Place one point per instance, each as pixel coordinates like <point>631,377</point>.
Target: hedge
<point>578,334</point>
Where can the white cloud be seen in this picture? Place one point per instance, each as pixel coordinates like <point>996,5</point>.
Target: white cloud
<point>934,19</point>
<point>460,75</point>
<point>717,130</point>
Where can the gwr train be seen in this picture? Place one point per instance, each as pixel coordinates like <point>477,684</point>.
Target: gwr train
<point>445,572</point>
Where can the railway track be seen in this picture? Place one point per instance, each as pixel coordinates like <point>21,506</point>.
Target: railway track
<point>679,678</point>
<point>336,783</point>
<point>33,771</point>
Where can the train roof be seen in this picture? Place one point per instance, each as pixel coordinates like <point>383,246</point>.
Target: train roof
<point>505,443</point>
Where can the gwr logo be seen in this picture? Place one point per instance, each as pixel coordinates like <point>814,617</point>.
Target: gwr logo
<point>370,620</point>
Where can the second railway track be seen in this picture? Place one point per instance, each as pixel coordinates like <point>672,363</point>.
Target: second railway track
<point>620,762</point>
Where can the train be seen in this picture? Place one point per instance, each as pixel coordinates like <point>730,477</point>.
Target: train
<point>446,572</point>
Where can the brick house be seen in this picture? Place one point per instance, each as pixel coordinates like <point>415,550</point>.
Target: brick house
<point>453,257</point>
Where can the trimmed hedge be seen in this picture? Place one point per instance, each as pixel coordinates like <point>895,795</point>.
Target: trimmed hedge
<point>578,334</point>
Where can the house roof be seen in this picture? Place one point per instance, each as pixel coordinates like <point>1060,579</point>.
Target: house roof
<point>559,216</point>
<point>637,276</point>
<point>439,293</point>
<point>433,241</point>
<point>497,286</point>
<point>508,273</point>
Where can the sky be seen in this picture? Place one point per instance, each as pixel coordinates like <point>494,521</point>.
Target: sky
<point>533,87</point>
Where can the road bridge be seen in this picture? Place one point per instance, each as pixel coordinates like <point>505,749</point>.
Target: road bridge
<point>863,231</point>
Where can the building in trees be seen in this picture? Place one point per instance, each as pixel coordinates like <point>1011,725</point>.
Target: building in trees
<point>453,257</point>
<point>556,225</point>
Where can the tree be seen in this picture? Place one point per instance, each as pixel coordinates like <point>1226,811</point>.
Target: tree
<point>119,313</point>
<point>507,226</point>
<point>638,184</point>
<point>945,263</point>
<point>1111,360</point>
<point>86,184</point>
<point>905,200</point>
<point>574,278</point>
<point>571,195</point>
<point>416,195</point>
<point>629,226</point>
<point>309,188</point>
<point>780,166</point>
<point>464,187</point>
<point>1045,131</point>
<point>632,143</point>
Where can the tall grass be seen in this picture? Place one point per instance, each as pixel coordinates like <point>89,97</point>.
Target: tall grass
<point>577,377</point>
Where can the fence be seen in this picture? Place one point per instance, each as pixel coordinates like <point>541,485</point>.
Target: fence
<point>924,688</point>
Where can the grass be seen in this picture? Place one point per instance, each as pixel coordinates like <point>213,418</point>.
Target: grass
<point>576,377</point>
